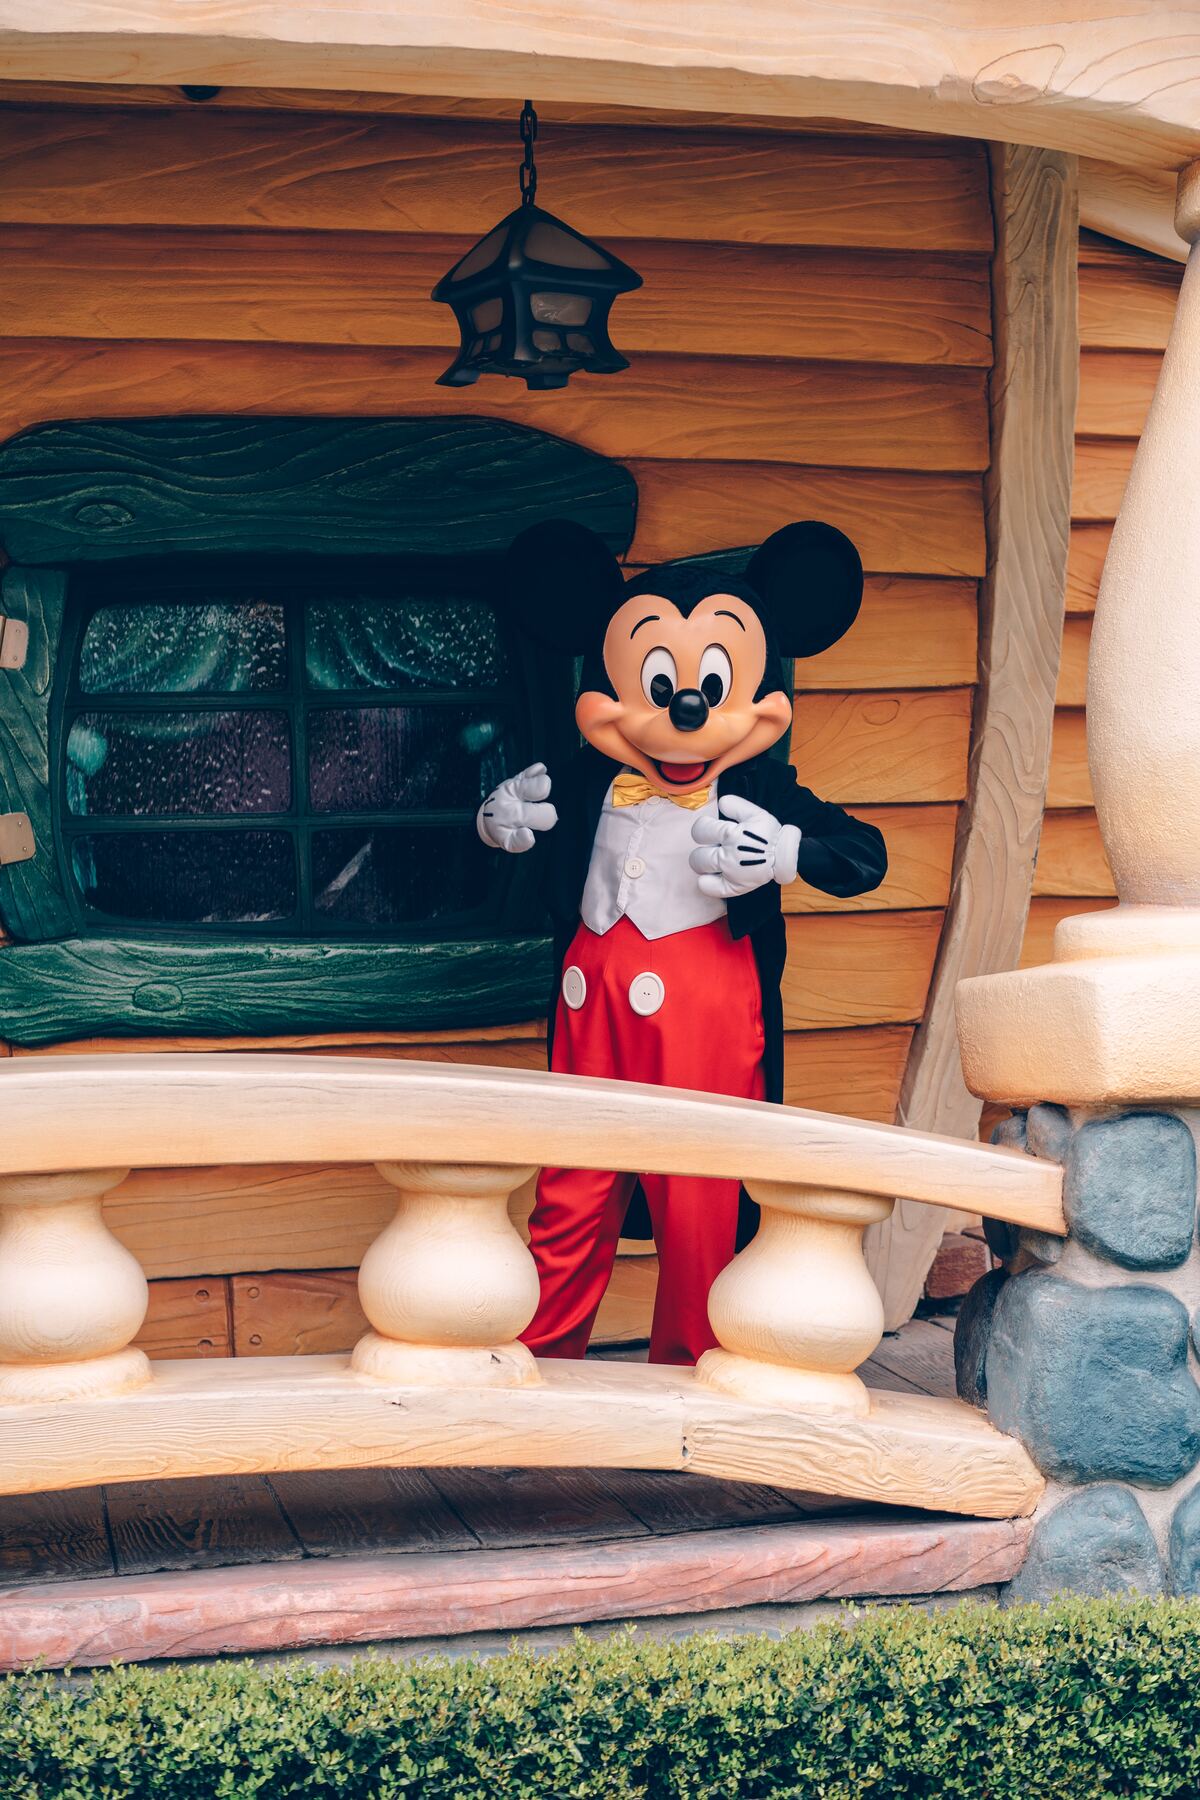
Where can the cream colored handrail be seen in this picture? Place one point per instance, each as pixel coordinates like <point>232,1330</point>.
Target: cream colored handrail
<point>149,1111</point>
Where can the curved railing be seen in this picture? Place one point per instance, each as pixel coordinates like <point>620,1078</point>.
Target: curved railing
<point>449,1285</point>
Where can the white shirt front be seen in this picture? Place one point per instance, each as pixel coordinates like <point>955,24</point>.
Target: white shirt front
<point>640,870</point>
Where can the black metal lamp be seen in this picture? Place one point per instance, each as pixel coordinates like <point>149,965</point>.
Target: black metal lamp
<point>532,297</point>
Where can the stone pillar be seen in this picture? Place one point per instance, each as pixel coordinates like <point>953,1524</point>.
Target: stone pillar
<point>1086,1350</point>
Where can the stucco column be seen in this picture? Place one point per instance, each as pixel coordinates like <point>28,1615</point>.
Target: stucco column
<point>1116,1015</point>
<point>1087,1350</point>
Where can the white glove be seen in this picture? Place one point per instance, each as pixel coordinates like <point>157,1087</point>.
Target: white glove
<point>516,809</point>
<point>743,849</point>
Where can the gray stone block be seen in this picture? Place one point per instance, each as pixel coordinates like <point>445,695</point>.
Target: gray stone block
<point>972,1329</point>
<point>1183,1549</point>
<point>1041,1245</point>
<point>1010,1133</point>
<point>1094,1381</point>
<point>1048,1132</point>
<point>1002,1238</point>
<point>1094,1542</point>
<point>1129,1191</point>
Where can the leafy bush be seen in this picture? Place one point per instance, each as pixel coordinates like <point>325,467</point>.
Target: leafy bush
<point>1084,1699</point>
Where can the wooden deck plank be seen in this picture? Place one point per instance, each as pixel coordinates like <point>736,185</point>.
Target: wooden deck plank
<point>673,1500</point>
<point>921,1355</point>
<point>197,1523</point>
<point>363,1600</point>
<point>508,1508</point>
<point>364,1512</point>
<point>54,1537</point>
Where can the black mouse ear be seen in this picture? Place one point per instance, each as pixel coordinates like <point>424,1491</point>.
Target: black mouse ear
<point>810,578</point>
<point>560,585</point>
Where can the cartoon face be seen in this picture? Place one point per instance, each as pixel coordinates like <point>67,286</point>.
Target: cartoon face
<point>684,703</point>
<point>681,665</point>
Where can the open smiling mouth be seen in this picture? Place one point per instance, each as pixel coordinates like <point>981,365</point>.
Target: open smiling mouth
<point>682,774</point>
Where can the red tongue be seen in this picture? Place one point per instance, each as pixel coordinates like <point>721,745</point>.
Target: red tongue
<point>682,773</point>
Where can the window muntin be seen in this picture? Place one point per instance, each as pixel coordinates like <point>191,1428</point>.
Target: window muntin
<point>269,756</point>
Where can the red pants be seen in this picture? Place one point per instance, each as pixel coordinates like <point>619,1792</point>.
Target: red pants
<point>706,1033</point>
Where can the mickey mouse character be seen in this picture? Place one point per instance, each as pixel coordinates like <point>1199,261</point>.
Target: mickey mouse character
<point>664,854</point>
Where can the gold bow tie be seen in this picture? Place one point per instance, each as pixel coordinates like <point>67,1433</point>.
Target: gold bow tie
<point>630,790</point>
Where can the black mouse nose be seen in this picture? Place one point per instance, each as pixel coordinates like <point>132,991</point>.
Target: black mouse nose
<point>688,709</point>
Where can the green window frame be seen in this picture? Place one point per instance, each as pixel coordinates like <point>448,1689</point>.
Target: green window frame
<point>295,709</point>
<point>378,498</point>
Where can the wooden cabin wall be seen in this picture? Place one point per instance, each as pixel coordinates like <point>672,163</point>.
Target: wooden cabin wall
<point>813,339</point>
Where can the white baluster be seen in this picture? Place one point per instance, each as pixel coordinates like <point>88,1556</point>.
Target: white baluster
<point>796,1312</point>
<point>71,1296</point>
<point>448,1284</point>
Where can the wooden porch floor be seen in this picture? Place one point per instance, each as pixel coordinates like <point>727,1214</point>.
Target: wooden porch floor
<point>251,1563</point>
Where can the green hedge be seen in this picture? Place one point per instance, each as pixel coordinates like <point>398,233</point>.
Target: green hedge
<point>1087,1698</point>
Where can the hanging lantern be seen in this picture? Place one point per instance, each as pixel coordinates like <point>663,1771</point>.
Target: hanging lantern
<point>532,298</point>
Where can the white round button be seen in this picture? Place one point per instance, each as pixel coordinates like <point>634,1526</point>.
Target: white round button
<point>574,987</point>
<point>646,994</point>
<point>634,866</point>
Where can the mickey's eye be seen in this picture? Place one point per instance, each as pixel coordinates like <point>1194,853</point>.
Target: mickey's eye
<point>716,674</point>
<point>659,677</point>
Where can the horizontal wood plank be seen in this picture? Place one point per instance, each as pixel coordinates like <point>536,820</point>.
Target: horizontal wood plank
<point>872,969</point>
<point>390,175</point>
<point>359,1043</point>
<point>364,1511</point>
<point>324,101</point>
<point>663,406</point>
<point>1072,667</point>
<point>1115,391</point>
<point>1071,858</point>
<point>54,1537</point>
<point>1044,915</point>
<point>197,1523</point>
<point>920,846</point>
<point>1101,472</point>
<point>187,1318</point>
<point>299,287</point>
<point>903,523</point>
<point>1127,306</point>
<point>909,633</point>
<point>1085,564</point>
<point>876,748</point>
<point>1069,783</point>
<point>856,1073</point>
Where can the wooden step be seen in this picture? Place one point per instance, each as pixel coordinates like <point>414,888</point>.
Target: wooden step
<point>229,1416</point>
<point>446,1594</point>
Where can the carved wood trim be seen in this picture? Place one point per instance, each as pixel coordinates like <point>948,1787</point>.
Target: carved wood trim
<point>1028,487</point>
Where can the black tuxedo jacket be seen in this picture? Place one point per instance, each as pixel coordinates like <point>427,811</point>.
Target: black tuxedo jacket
<point>838,854</point>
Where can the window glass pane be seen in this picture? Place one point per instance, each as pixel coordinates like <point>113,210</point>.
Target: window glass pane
<point>415,643</point>
<point>202,648</point>
<point>400,758</point>
<point>188,877</point>
<point>396,875</point>
<point>178,762</point>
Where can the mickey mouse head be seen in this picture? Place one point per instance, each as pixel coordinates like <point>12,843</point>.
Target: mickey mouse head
<point>682,675</point>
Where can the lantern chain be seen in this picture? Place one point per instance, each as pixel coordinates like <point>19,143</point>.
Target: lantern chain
<point>529,129</point>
